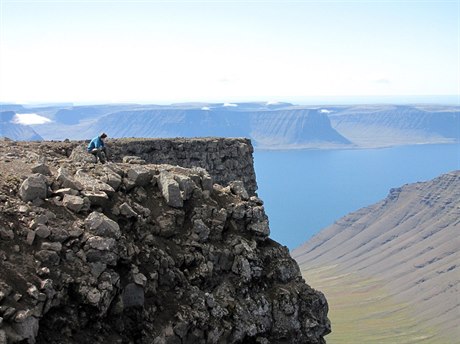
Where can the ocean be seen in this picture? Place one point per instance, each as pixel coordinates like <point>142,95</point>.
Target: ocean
<point>305,191</point>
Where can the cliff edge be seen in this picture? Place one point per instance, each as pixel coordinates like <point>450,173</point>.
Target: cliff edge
<point>132,252</point>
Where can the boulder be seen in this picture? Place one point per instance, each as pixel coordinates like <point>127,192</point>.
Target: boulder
<point>126,210</point>
<point>237,188</point>
<point>140,279</point>
<point>93,296</point>
<point>26,330</point>
<point>112,176</point>
<point>92,183</point>
<point>95,197</point>
<point>133,295</point>
<point>170,189</point>
<point>201,229</point>
<point>206,180</point>
<point>101,225</point>
<point>30,237</point>
<point>48,257</point>
<point>260,228</point>
<point>105,257</point>
<point>42,231</point>
<point>140,176</point>
<point>42,169</point>
<point>34,187</point>
<point>6,233</point>
<point>186,185</point>
<point>131,159</point>
<point>75,203</point>
<point>101,243</point>
<point>80,154</point>
<point>66,181</point>
<point>51,246</point>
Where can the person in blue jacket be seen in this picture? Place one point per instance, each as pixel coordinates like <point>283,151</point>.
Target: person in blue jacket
<point>97,148</point>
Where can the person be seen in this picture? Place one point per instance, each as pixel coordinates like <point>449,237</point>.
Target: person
<point>98,149</point>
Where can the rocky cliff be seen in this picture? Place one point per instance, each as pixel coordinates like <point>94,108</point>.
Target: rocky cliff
<point>225,160</point>
<point>132,252</point>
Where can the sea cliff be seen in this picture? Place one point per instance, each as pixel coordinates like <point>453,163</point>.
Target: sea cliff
<point>139,252</point>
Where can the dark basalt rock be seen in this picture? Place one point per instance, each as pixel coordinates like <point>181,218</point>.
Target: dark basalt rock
<point>166,258</point>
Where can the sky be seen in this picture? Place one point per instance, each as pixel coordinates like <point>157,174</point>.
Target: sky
<point>170,51</point>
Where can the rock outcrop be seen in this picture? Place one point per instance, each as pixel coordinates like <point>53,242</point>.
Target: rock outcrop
<point>142,253</point>
<point>224,159</point>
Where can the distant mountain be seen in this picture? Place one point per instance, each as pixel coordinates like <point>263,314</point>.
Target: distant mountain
<point>271,125</point>
<point>10,107</point>
<point>74,114</point>
<point>14,131</point>
<point>298,128</point>
<point>7,116</point>
<point>407,246</point>
<point>386,125</point>
<point>293,128</point>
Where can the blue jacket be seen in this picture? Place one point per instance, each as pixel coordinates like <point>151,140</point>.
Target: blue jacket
<point>95,143</point>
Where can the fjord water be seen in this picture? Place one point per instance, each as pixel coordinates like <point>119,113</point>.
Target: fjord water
<point>307,190</point>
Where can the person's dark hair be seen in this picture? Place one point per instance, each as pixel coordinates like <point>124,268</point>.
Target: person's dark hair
<point>103,135</point>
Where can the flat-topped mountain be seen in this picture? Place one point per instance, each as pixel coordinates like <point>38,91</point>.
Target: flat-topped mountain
<point>408,246</point>
<point>269,125</point>
<point>387,125</point>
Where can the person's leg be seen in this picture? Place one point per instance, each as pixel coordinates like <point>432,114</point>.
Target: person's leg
<point>106,155</point>
<point>101,156</point>
<point>94,153</point>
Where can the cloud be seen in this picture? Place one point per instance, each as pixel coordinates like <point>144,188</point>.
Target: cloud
<point>230,105</point>
<point>325,111</point>
<point>273,103</point>
<point>205,108</point>
<point>30,118</point>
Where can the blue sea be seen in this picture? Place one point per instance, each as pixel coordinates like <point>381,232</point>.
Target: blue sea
<point>307,190</point>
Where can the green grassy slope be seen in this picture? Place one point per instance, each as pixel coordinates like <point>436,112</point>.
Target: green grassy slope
<point>361,310</point>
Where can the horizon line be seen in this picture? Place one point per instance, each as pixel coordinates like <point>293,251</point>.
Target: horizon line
<point>300,100</point>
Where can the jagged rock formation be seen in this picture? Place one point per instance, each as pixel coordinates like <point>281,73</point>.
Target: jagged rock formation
<point>226,160</point>
<point>409,242</point>
<point>141,253</point>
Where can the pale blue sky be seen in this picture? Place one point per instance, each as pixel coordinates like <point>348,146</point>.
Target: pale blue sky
<point>152,51</point>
